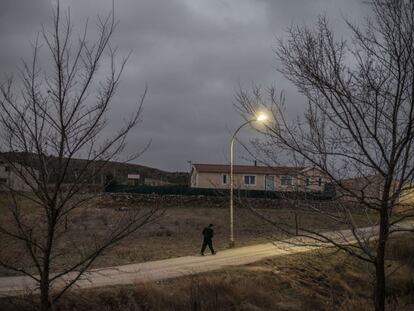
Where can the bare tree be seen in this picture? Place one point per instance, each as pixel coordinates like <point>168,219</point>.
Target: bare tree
<point>49,120</point>
<point>359,123</point>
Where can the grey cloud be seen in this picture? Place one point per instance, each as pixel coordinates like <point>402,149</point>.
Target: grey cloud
<point>193,55</point>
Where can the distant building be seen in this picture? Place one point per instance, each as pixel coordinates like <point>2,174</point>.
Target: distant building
<point>252,177</point>
<point>139,179</point>
<point>370,189</point>
<point>367,188</point>
<point>407,194</point>
<point>134,179</point>
<point>11,180</point>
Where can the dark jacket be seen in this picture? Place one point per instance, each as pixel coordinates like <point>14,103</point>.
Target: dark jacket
<point>208,233</point>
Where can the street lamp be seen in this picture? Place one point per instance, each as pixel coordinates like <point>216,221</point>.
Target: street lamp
<point>261,117</point>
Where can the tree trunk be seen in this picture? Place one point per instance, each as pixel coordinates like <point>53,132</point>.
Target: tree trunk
<point>45,304</point>
<point>379,291</point>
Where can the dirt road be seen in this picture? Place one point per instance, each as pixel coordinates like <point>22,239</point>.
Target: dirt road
<point>175,267</point>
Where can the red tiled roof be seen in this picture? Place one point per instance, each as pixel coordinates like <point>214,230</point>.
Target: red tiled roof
<point>248,169</point>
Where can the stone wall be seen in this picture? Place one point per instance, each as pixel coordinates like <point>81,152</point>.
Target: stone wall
<point>165,201</point>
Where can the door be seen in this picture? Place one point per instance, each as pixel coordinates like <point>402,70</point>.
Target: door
<point>270,183</point>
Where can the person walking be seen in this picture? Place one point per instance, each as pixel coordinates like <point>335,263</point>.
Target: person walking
<point>208,234</point>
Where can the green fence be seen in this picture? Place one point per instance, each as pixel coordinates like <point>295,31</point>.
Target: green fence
<point>180,190</point>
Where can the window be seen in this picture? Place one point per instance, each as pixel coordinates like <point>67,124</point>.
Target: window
<point>6,169</point>
<point>249,180</point>
<point>286,180</point>
<point>224,179</point>
<point>307,181</point>
<point>319,181</point>
<point>3,180</point>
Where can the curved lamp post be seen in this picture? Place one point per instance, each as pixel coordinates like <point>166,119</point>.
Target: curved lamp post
<point>260,118</point>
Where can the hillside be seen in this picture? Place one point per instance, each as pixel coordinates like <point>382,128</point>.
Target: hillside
<point>116,170</point>
<point>121,170</point>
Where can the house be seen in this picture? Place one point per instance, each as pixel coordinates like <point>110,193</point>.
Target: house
<point>407,194</point>
<point>11,180</point>
<point>139,179</point>
<point>134,179</point>
<point>370,189</point>
<point>253,177</point>
<point>367,188</point>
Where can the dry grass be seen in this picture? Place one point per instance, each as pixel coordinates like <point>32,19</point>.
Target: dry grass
<point>318,280</point>
<point>176,233</point>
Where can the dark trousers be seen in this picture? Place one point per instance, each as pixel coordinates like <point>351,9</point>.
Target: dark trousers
<point>208,242</point>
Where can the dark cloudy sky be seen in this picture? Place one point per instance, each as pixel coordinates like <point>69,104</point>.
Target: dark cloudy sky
<point>193,54</point>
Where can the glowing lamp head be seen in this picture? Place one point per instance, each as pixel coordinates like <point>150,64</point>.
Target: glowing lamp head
<point>261,117</point>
